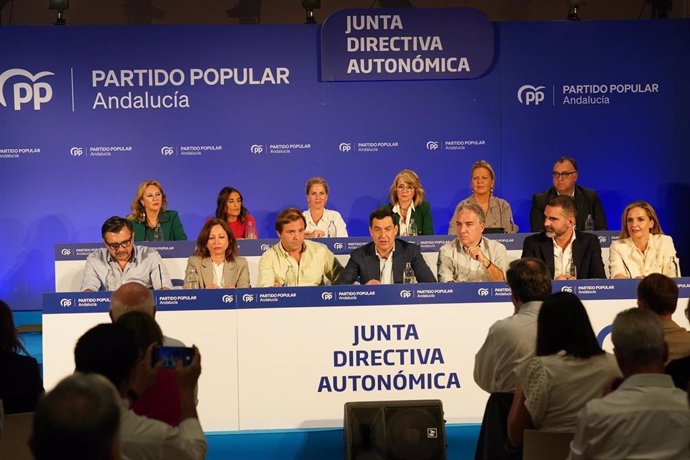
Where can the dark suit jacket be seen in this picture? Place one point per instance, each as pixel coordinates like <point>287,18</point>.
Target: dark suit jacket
<point>421,216</point>
<point>586,253</point>
<point>586,200</point>
<point>364,265</point>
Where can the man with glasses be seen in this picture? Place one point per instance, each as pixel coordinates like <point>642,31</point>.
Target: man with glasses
<point>121,261</point>
<point>586,200</point>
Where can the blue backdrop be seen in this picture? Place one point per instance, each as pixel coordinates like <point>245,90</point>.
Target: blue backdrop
<point>67,167</point>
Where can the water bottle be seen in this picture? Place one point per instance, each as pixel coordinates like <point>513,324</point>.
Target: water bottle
<point>408,273</point>
<point>191,281</point>
<point>110,281</point>
<point>290,277</point>
<point>332,232</point>
<point>572,270</point>
<point>157,233</point>
<point>412,228</point>
<point>250,234</point>
<point>589,223</point>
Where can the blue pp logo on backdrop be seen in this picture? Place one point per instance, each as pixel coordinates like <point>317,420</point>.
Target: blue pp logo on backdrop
<point>530,95</point>
<point>33,92</point>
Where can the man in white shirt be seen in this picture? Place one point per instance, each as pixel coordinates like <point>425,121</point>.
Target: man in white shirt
<point>646,416</point>
<point>471,257</point>
<point>509,342</point>
<point>568,253</point>
<point>110,350</point>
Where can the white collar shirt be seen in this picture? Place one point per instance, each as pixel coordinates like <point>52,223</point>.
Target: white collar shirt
<point>562,258</point>
<point>385,267</point>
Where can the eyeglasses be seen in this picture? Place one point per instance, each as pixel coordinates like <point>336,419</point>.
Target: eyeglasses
<point>562,175</point>
<point>404,187</point>
<point>115,246</point>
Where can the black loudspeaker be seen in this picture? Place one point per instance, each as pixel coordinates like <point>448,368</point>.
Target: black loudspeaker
<point>395,430</point>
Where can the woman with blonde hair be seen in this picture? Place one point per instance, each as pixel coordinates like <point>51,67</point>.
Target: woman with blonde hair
<point>321,222</point>
<point>497,212</point>
<point>150,220</point>
<point>411,213</point>
<point>642,247</point>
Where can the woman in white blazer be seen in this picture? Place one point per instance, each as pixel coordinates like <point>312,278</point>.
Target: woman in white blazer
<point>642,247</point>
<point>215,259</point>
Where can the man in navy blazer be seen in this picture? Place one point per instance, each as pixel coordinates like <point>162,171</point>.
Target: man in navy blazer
<point>383,260</point>
<point>561,246</point>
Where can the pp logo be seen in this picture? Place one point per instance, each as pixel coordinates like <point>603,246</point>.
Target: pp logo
<point>35,92</point>
<point>65,302</point>
<point>326,295</point>
<point>432,145</point>
<point>405,293</point>
<point>227,298</point>
<point>528,94</point>
<point>602,239</point>
<point>337,245</point>
<point>167,151</point>
<point>345,147</point>
<point>265,247</point>
<point>256,148</point>
<point>567,289</point>
<point>76,151</point>
<point>483,292</point>
<point>248,298</point>
<point>431,433</point>
<point>66,252</point>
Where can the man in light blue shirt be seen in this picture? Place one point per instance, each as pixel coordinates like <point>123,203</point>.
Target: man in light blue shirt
<point>121,261</point>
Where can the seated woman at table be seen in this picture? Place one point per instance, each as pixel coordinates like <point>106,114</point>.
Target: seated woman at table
<point>496,210</point>
<point>569,370</point>
<point>408,205</point>
<point>215,259</point>
<point>321,222</point>
<point>21,384</point>
<point>230,208</point>
<point>642,248</point>
<point>150,220</point>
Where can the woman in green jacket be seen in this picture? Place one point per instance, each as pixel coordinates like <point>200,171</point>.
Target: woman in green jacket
<point>150,220</point>
<point>411,213</point>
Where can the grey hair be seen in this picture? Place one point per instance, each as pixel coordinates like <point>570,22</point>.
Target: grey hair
<point>474,208</point>
<point>638,337</point>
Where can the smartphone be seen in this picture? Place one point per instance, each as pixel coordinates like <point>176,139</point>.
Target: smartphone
<point>170,355</point>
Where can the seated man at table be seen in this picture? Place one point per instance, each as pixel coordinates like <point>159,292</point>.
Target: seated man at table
<point>471,257</point>
<point>569,253</point>
<point>294,261</point>
<point>587,200</point>
<point>383,260</point>
<point>121,261</point>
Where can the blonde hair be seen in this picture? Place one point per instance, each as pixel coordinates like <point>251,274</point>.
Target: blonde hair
<point>138,211</point>
<point>483,164</point>
<point>410,177</point>
<point>317,180</point>
<point>651,214</point>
